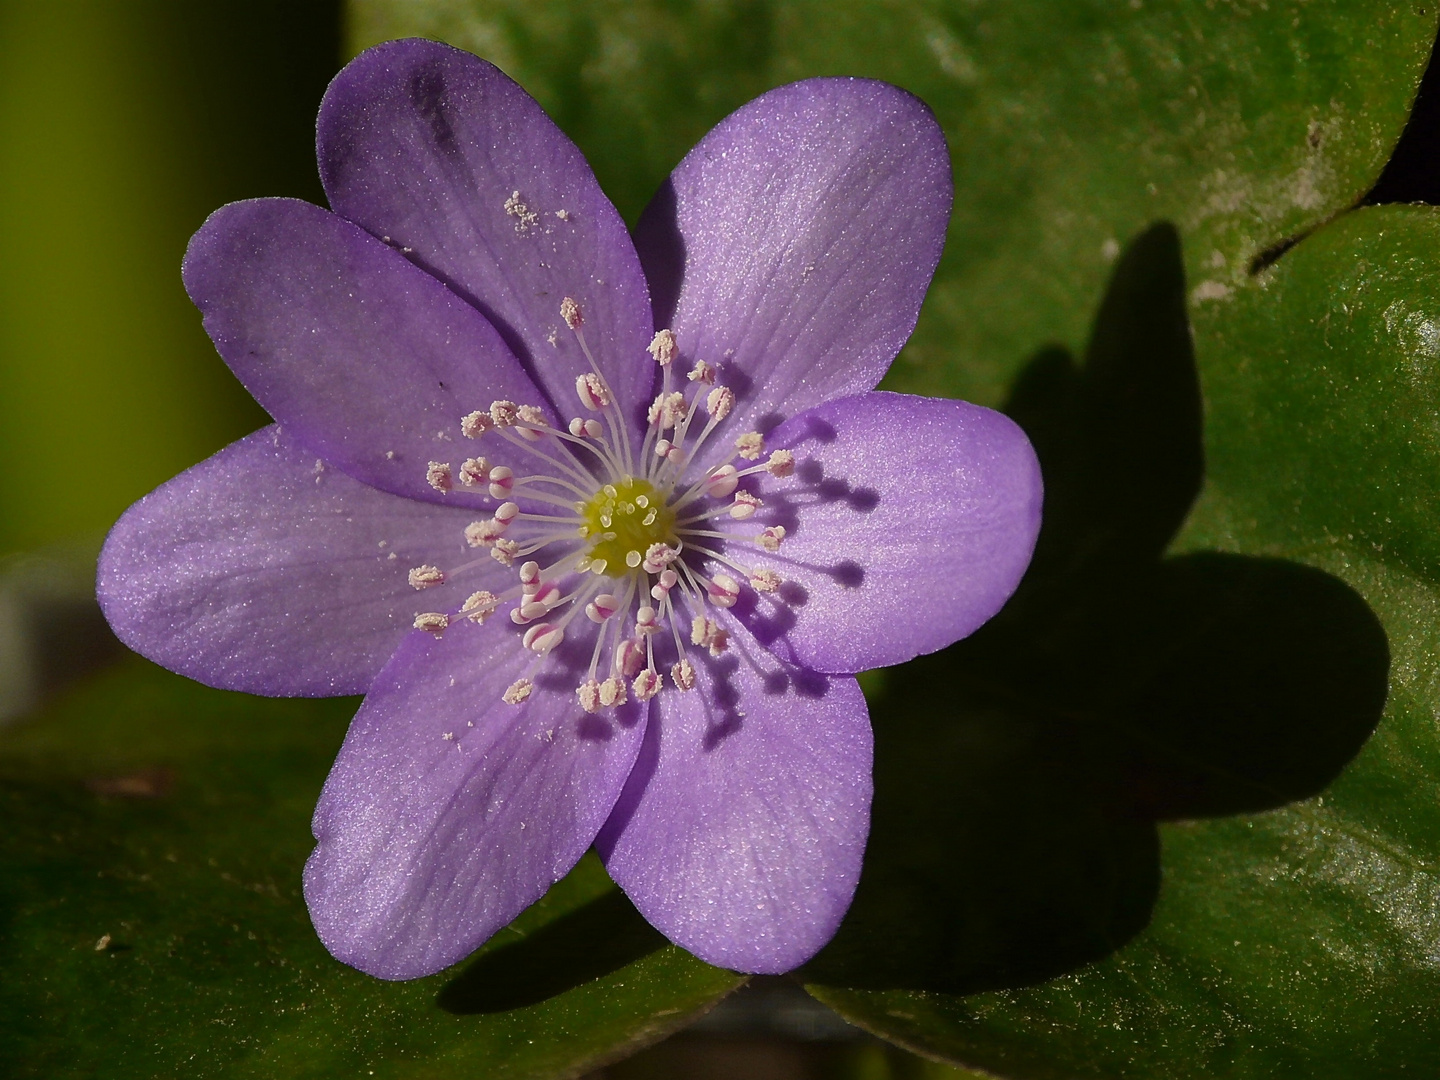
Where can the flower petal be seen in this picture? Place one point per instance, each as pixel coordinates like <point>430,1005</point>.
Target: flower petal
<point>261,570</point>
<point>365,359</point>
<point>432,833</point>
<point>448,157</point>
<point>741,832</point>
<point>795,242</point>
<point>909,520</point>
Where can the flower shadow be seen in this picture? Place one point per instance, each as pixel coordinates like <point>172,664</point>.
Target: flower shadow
<point>1020,773</point>
<point>590,942</point>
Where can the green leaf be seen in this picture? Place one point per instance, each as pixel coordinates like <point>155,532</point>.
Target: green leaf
<point>170,822</point>
<point>1072,124</point>
<point>1301,942</point>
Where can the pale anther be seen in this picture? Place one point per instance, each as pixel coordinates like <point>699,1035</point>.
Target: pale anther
<point>531,419</point>
<point>504,552</point>
<point>663,347</point>
<point>517,692</point>
<point>724,591</point>
<point>530,576</point>
<point>602,607</point>
<point>719,402</point>
<point>645,620</point>
<point>577,427</point>
<point>630,657</point>
<point>720,483</point>
<point>591,391</point>
<point>683,674</point>
<point>504,413</point>
<point>474,471</point>
<point>502,480</point>
<point>423,577</point>
<point>781,463</point>
<point>770,538</point>
<point>476,424</point>
<point>719,642</point>
<point>438,475</point>
<point>480,606</point>
<point>570,312</point>
<point>765,580</point>
<point>432,621</point>
<point>702,372</point>
<point>507,512</point>
<point>646,685</point>
<point>589,694</point>
<point>744,506</point>
<point>750,445</point>
<point>612,692</point>
<point>662,447</point>
<point>658,557</point>
<point>542,638</point>
<point>483,533</point>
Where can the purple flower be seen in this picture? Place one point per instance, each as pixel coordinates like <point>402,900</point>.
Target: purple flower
<point>600,584</point>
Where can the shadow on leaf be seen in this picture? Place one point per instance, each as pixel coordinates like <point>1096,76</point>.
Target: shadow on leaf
<point>588,943</point>
<point>1020,773</point>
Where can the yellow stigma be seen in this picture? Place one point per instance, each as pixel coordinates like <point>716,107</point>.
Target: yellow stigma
<point>623,520</point>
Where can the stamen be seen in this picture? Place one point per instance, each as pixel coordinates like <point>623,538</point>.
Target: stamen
<point>589,694</point>
<point>720,483</point>
<point>724,591</point>
<point>570,312</point>
<point>438,475</point>
<point>683,674</point>
<point>770,538</point>
<point>645,621</point>
<point>480,606</point>
<point>502,481</point>
<point>476,424</point>
<point>517,692</point>
<point>593,393</point>
<point>507,512</point>
<point>503,414</point>
<point>765,580</point>
<point>542,638</point>
<point>667,410</point>
<point>483,533</point>
<point>433,622</point>
<point>602,607</point>
<point>750,445</point>
<point>424,577</point>
<point>531,423</point>
<point>702,373</point>
<point>744,506</point>
<point>629,657</point>
<point>612,692</point>
<point>781,463</point>
<point>504,552</point>
<point>647,684</point>
<point>719,402</point>
<point>663,347</point>
<point>474,472</point>
<point>658,557</point>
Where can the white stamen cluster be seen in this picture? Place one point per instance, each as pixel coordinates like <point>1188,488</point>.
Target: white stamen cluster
<point>619,534</point>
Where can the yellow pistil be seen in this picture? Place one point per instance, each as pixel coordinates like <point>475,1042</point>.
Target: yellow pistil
<point>624,519</point>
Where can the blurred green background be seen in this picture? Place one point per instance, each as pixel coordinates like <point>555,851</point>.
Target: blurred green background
<point>123,123</point>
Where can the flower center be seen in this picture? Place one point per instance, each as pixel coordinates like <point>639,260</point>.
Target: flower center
<point>625,519</point>
<point>601,513</point>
